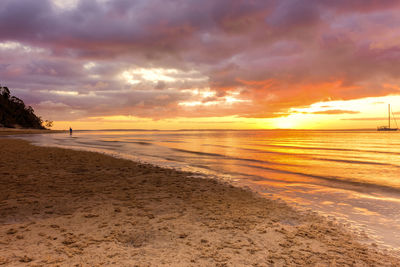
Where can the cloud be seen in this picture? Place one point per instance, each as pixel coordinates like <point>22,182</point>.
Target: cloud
<point>364,119</point>
<point>145,58</point>
<point>334,112</point>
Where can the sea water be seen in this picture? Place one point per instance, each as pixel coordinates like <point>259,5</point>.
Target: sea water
<point>352,176</point>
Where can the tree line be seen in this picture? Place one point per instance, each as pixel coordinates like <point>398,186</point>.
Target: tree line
<point>14,113</point>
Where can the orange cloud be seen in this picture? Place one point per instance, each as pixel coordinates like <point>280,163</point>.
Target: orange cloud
<point>250,59</point>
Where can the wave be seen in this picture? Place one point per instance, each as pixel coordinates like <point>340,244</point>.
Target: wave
<point>128,142</point>
<point>335,180</point>
<point>228,157</point>
<point>357,162</point>
<point>303,148</point>
<point>279,163</point>
<point>332,149</point>
<point>141,143</point>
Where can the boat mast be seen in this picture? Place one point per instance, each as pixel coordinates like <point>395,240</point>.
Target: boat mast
<point>389,115</point>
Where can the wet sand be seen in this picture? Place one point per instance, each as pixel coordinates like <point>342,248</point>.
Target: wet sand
<point>62,207</point>
<point>14,131</point>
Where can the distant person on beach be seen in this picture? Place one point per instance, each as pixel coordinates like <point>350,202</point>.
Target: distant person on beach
<point>70,131</point>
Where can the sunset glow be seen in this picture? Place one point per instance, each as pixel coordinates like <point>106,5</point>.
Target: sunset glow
<point>216,64</point>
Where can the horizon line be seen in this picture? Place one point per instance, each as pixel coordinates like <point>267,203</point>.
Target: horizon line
<point>211,129</point>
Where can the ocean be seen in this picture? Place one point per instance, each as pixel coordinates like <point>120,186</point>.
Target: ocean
<point>350,176</point>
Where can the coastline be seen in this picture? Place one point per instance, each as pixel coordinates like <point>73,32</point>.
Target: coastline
<point>15,131</point>
<point>66,207</point>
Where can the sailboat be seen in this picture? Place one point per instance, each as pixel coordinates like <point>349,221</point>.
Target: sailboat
<point>387,128</point>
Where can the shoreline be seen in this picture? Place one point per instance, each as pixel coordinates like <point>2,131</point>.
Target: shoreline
<point>15,131</point>
<point>75,207</point>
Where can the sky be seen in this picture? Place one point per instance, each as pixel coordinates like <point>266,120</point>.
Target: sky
<point>187,64</point>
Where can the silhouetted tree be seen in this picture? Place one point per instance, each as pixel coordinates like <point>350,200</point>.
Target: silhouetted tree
<point>14,113</point>
<point>48,124</point>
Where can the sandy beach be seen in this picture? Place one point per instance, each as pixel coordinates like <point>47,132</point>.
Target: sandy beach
<point>14,131</point>
<point>62,207</point>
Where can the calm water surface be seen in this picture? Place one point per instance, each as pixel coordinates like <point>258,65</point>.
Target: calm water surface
<point>351,175</point>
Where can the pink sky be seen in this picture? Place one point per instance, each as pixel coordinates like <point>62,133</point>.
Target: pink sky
<point>158,60</point>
